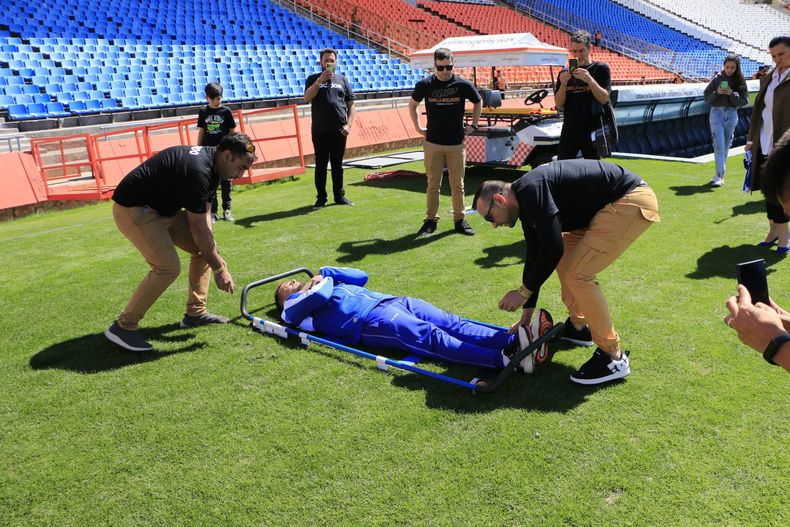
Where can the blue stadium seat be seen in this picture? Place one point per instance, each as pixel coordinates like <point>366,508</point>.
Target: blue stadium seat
<point>55,109</point>
<point>110,105</point>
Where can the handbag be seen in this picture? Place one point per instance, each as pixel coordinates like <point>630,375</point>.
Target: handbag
<point>605,136</point>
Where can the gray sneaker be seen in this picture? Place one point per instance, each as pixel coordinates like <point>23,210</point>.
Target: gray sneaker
<point>129,340</point>
<point>204,319</point>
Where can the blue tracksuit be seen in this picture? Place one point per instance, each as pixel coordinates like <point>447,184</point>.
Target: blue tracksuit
<point>341,307</point>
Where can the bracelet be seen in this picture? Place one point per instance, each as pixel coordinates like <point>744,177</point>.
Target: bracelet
<point>773,348</point>
<point>524,292</point>
<point>474,126</point>
<point>219,269</point>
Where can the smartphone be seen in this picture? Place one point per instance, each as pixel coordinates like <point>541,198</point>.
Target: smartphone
<point>331,67</point>
<point>573,64</point>
<point>752,276</point>
<point>724,85</point>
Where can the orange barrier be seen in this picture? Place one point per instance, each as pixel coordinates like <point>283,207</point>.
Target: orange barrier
<point>69,180</point>
<point>22,183</point>
<point>89,167</point>
<point>258,125</point>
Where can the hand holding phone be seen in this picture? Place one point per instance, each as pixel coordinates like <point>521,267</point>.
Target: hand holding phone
<point>724,85</point>
<point>573,64</point>
<point>330,67</point>
<point>752,276</point>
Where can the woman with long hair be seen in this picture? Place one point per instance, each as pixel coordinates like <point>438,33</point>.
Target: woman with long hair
<point>771,119</point>
<point>726,93</point>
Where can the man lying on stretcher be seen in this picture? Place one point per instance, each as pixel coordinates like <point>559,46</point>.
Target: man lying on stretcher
<point>336,303</point>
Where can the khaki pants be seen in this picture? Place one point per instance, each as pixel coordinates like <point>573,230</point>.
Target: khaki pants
<point>591,250</point>
<point>156,237</point>
<point>436,156</point>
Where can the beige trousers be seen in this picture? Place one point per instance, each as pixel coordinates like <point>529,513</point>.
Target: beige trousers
<point>156,237</point>
<point>436,156</point>
<point>589,251</point>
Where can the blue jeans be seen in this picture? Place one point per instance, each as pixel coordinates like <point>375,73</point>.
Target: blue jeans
<point>413,325</point>
<point>722,129</point>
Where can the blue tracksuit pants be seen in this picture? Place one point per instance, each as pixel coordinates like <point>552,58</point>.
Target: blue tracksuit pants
<point>413,325</point>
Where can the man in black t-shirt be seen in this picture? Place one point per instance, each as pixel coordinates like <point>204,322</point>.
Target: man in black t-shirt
<point>445,95</point>
<point>581,93</point>
<point>578,217</point>
<point>332,109</point>
<point>215,121</point>
<point>163,204</point>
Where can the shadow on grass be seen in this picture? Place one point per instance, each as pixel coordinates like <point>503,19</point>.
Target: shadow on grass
<point>473,177</point>
<point>750,207</point>
<point>355,251</point>
<point>496,254</point>
<point>547,390</point>
<point>94,353</point>
<point>690,190</point>
<point>721,261</point>
<point>251,220</point>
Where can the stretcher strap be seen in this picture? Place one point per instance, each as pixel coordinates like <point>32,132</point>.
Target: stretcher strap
<point>381,362</point>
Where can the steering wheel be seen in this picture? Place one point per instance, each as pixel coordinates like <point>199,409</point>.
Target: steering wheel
<point>535,97</point>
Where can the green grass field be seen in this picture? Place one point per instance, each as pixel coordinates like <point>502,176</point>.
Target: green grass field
<point>225,426</point>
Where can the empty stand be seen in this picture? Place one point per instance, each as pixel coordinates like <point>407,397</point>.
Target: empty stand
<point>124,54</point>
<point>487,19</point>
<point>634,34</point>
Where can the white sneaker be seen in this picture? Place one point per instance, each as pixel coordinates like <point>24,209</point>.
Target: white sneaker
<point>527,364</point>
<point>228,216</point>
<point>717,181</point>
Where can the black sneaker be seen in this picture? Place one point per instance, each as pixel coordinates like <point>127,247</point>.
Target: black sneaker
<point>204,319</point>
<point>344,201</point>
<point>428,227</point>
<point>319,204</point>
<point>464,228</point>
<point>126,339</point>
<point>214,217</point>
<point>602,368</point>
<point>580,337</point>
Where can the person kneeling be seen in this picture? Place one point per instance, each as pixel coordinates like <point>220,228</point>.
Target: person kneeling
<point>336,303</point>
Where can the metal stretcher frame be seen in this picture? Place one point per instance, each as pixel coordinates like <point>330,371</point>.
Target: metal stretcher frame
<point>475,385</point>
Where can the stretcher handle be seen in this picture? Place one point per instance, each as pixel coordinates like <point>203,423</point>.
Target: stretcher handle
<point>265,281</point>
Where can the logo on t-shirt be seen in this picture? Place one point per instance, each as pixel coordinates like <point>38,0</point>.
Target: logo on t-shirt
<point>444,96</point>
<point>327,85</point>
<point>195,150</point>
<point>214,124</point>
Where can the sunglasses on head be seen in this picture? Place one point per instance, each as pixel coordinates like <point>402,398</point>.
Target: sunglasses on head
<point>448,67</point>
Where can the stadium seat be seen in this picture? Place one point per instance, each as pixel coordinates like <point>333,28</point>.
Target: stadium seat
<point>56,109</point>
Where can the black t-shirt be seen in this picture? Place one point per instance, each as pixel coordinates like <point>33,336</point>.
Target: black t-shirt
<point>580,105</point>
<point>216,123</point>
<point>175,178</point>
<point>559,197</point>
<point>329,108</point>
<point>444,105</point>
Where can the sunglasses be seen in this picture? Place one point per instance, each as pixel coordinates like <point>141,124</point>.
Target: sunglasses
<point>448,67</point>
<point>488,216</point>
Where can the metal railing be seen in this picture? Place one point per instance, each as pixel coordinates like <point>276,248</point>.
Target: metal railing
<point>378,37</point>
<point>613,39</point>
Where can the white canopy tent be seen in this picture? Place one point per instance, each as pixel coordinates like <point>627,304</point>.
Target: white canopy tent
<point>512,49</point>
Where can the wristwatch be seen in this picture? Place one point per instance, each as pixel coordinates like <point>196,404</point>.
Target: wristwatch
<point>773,347</point>
<point>474,126</point>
